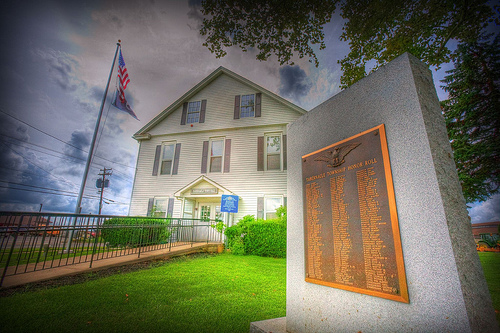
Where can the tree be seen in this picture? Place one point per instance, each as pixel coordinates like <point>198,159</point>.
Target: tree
<point>376,30</point>
<point>272,27</point>
<point>472,114</point>
<point>380,30</point>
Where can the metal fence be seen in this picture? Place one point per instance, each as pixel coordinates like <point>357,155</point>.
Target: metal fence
<point>37,241</point>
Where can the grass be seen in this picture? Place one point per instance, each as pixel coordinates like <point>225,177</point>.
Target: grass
<point>491,268</point>
<point>221,293</point>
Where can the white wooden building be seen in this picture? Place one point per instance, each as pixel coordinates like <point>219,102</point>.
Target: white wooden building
<point>227,135</point>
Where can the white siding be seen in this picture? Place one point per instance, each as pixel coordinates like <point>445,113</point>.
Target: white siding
<point>243,179</point>
<point>220,110</point>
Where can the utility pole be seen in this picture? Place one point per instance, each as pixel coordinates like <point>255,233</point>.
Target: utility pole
<point>102,183</point>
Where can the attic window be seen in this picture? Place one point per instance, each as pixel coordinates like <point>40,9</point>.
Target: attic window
<point>193,114</point>
<point>247,106</point>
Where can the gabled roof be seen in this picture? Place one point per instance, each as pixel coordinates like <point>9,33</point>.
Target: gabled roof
<point>200,180</point>
<point>142,133</point>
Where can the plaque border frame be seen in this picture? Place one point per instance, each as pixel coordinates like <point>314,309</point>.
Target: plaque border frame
<point>398,249</point>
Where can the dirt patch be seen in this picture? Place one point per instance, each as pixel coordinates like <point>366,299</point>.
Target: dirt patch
<point>85,277</point>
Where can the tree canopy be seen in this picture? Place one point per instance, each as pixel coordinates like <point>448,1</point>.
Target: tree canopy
<point>381,30</point>
<point>378,31</point>
<point>272,27</point>
<point>472,114</point>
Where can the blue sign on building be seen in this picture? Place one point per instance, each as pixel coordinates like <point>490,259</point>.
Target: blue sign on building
<point>229,203</point>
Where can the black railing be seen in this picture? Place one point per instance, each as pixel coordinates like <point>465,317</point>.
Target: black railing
<point>36,241</point>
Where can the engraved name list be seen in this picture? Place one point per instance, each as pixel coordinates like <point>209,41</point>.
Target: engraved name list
<point>352,239</point>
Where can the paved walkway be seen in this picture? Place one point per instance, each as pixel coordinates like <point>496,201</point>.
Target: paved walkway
<point>53,273</point>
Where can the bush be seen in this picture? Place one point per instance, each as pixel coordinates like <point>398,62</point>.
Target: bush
<point>135,231</point>
<point>265,238</point>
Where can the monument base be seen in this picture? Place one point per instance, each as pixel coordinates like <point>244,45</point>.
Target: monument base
<point>276,325</point>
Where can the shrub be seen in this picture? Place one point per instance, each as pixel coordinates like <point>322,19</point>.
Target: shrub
<point>135,231</point>
<point>265,238</point>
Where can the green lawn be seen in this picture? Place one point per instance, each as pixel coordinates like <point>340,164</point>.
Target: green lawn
<point>221,293</point>
<point>491,268</point>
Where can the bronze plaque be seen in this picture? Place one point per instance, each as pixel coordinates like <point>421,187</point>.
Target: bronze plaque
<point>352,239</point>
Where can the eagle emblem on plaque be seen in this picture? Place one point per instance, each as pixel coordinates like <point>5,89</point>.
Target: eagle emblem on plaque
<point>335,157</point>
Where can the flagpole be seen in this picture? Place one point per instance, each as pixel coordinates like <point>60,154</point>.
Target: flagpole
<point>91,149</point>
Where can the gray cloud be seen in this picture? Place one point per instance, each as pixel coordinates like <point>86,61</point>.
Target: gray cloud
<point>194,13</point>
<point>294,82</point>
<point>81,140</point>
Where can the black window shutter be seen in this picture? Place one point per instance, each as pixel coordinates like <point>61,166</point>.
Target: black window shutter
<point>184,113</point>
<point>203,110</point>
<point>204,157</point>
<point>170,209</point>
<point>156,163</point>
<point>150,205</point>
<point>260,153</point>
<point>176,158</point>
<point>237,107</point>
<point>284,152</point>
<point>260,207</point>
<point>258,102</point>
<point>227,155</point>
<point>284,201</point>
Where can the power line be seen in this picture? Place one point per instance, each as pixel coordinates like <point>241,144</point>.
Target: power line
<point>65,154</point>
<point>32,163</point>
<point>62,194</point>
<point>67,143</point>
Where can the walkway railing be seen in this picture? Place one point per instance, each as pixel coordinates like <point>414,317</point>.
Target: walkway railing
<point>37,241</point>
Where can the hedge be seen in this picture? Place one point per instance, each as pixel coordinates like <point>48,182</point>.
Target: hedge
<point>265,238</point>
<point>126,231</point>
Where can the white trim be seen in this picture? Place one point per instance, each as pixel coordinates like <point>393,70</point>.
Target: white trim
<point>280,196</point>
<point>209,157</point>
<point>166,204</point>
<point>163,145</point>
<point>222,190</point>
<point>266,135</point>
<point>142,133</point>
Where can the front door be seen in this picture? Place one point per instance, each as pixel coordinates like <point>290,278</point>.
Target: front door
<point>210,211</point>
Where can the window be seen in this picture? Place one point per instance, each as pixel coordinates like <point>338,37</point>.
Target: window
<point>273,152</point>
<point>247,106</point>
<point>216,154</point>
<point>193,112</point>
<point>271,203</point>
<point>159,207</point>
<point>167,158</point>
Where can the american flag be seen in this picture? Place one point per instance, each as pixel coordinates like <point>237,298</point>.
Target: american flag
<point>123,80</point>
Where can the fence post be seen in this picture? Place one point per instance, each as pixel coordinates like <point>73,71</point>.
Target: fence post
<point>192,232</point>
<point>11,250</point>
<point>95,242</point>
<point>140,240</point>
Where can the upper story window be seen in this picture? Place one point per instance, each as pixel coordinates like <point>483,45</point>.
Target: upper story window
<point>273,152</point>
<point>216,154</point>
<point>167,158</point>
<point>247,106</point>
<point>193,112</point>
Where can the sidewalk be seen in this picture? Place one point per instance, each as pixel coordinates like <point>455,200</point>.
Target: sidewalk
<point>53,273</point>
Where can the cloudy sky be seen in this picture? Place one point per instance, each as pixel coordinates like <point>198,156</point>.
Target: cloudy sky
<point>54,66</point>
